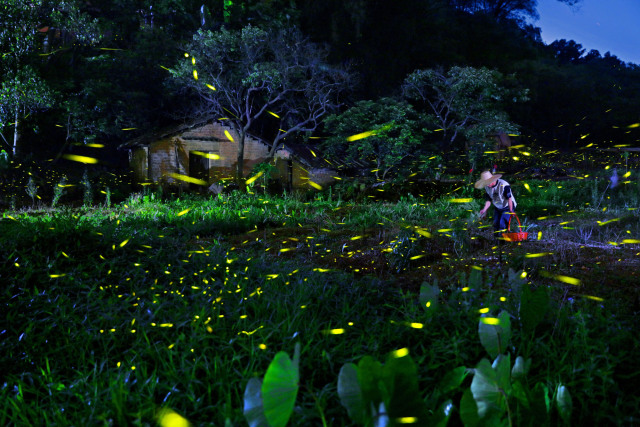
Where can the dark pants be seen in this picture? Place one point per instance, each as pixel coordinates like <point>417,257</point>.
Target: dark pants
<point>501,219</point>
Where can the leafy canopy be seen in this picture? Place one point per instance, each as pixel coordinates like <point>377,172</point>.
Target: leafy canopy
<point>385,134</point>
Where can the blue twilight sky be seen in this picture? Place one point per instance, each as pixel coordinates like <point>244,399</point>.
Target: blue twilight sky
<point>605,25</point>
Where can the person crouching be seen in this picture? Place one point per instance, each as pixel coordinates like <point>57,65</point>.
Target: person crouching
<point>498,193</point>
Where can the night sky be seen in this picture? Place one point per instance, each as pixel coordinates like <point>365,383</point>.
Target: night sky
<point>607,26</point>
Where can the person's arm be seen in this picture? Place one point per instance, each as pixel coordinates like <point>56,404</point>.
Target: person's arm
<point>507,194</point>
<point>487,204</point>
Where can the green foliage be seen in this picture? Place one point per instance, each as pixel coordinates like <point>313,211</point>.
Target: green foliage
<point>564,404</point>
<point>499,390</point>
<point>495,333</point>
<point>22,91</point>
<point>464,101</point>
<point>533,307</point>
<point>32,189</point>
<point>107,197</point>
<point>88,189</point>
<point>4,160</point>
<point>372,392</point>
<point>272,403</point>
<point>58,191</point>
<point>386,134</point>
<point>429,296</point>
<point>195,294</point>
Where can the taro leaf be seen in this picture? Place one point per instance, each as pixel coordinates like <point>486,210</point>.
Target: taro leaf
<point>540,402</point>
<point>520,368</point>
<point>296,360</point>
<point>279,390</point>
<point>253,410</point>
<point>495,338</point>
<point>381,417</point>
<point>369,377</point>
<point>452,380</point>
<point>441,417</point>
<point>520,393</point>
<point>429,296</point>
<point>502,366</point>
<point>350,393</point>
<point>469,409</point>
<point>485,389</point>
<point>400,377</point>
<point>515,279</point>
<point>475,279</point>
<point>563,401</point>
<point>533,307</point>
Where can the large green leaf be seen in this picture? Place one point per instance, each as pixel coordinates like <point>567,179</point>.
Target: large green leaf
<point>452,380</point>
<point>279,390</point>
<point>502,366</point>
<point>485,389</point>
<point>495,337</point>
<point>520,368</point>
<point>539,401</point>
<point>520,393</point>
<point>440,417</point>
<point>533,307</point>
<point>469,409</point>
<point>350,393</point>
<point>400,376</point>
<point>429,295</point>
<point>253,409</point>
<point>475,279</point>
<point>564,404</point>
<point>369,378</point>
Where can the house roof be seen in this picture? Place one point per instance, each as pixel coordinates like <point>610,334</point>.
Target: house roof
<point>308,156</point>
<point>166,132</point>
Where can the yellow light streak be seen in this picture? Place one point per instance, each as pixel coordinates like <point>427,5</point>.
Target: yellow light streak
<point>81,159</point>
<point>211,156</point>
<point>253,178</point>
<point>186,178</point>
<point>360,136</point>
<point>407,420</point>
<point>315,185</point>
<point>400,353</point>
<point>538,255</point>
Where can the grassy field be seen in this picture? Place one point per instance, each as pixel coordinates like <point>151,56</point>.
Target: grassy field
<point>111,315</point>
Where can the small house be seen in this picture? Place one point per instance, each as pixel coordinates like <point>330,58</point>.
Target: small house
<point>207,150</point>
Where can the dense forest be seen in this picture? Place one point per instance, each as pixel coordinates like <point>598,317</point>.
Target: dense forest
<point>81,72</point>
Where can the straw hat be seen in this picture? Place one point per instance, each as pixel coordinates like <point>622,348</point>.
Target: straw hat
<point>486,179</point>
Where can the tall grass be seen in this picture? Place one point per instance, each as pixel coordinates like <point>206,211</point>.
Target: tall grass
<point>115,313</point>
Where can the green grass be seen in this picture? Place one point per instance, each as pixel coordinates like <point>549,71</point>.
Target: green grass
<point>115,313</point>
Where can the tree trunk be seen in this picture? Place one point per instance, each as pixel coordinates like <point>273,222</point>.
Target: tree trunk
<point>16,135</point>
<point>240,164</point>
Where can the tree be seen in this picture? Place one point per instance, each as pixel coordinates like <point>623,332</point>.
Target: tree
<point>21,89</point>
<point>248,74</point>
<point>505,9</point>
<point>567,51</point>
<point>20,94</point>
<point>464,101</point>
<point>386,134</point>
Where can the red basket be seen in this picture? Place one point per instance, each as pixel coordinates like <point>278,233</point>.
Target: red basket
<point>514,237</point>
